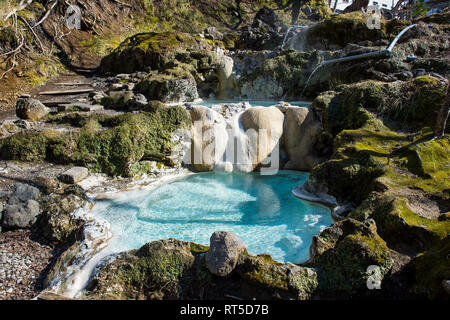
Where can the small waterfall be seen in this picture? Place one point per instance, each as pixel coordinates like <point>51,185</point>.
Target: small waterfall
<point>295,27</point>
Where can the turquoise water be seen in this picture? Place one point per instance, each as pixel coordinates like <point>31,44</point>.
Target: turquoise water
<point>261,210</point>
<point>253,103</point>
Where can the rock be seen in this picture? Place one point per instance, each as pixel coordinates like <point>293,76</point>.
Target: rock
<point>265,33</point>
<point>419,72</point>
<point>343,253</point>
<point>173,269</point>
<point>223,254</point>
<point>8,127</point>
<point>139,102</point>
<point>429,271</point>
<point>209,138</point>
<point>74,175</point>
<point>23,124</point>
<point>170,88</point>
<point>301,134</point>
<point>80,106</point>
<point>22,193</point>
<point>278,280</point>
<point>212,34</point>
<point>404,76</point>
<point>153,51</point>
<point>57,223</point>
<point>270,20</point>
<point>31,109</point>
<point>49,296</point>
<point>140,99</point>
<point>267,122</point>
<point>20,216</point>
<point>117,99</point>
<point>48,185</point>
<point>228,87</point>
<point>116,86</point>
<point>446,285</point>
<point>340,212</point>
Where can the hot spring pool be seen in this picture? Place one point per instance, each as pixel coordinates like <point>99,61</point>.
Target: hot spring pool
<point>261,210</point>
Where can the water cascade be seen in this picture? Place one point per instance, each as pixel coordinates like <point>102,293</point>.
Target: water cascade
<point>295,27</point>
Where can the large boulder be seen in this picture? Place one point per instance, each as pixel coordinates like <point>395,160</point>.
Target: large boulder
<point>119,148</point>
<point>228,87</point>
<point>264,129</point>
<point>224,251</point>
<point>301,135</point>
<point>209,138</point>
<point>150,51</point>
<point>57,222</point>
<point>265,33</point>
<point>22,208</point>
<point>172,86</point>
<point>22,193</point>
<point>346,254</point>
<point>31,109</point>
<point>20,216</point>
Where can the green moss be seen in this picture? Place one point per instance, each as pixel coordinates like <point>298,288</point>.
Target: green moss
<point>397,223</point>
<point>339,30</point>
<point>117,150</point>
<point>429,269</point>
<point>368,151</point>
<point>346,250</point>
<point>198,248</point>
<point>26,146</point>
<point>149,50</point>
<point>274,276</point>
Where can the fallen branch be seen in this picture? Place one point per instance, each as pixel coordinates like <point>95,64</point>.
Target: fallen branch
<point>46,14</point>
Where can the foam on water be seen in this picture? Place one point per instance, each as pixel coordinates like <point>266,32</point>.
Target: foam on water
<point>261,210</point>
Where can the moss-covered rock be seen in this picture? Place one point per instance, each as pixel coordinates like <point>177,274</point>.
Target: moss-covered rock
<point>343,253</point>
<point>339,30</point>
<point>429,270</point>
<point>173,269</point>
<point>368,151</point>
<point>150,51</point>
<point>56,221</point>
<point>284,280</point>
<point>172,86</point>
<point>398,224</point>
<point>113,145</point>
